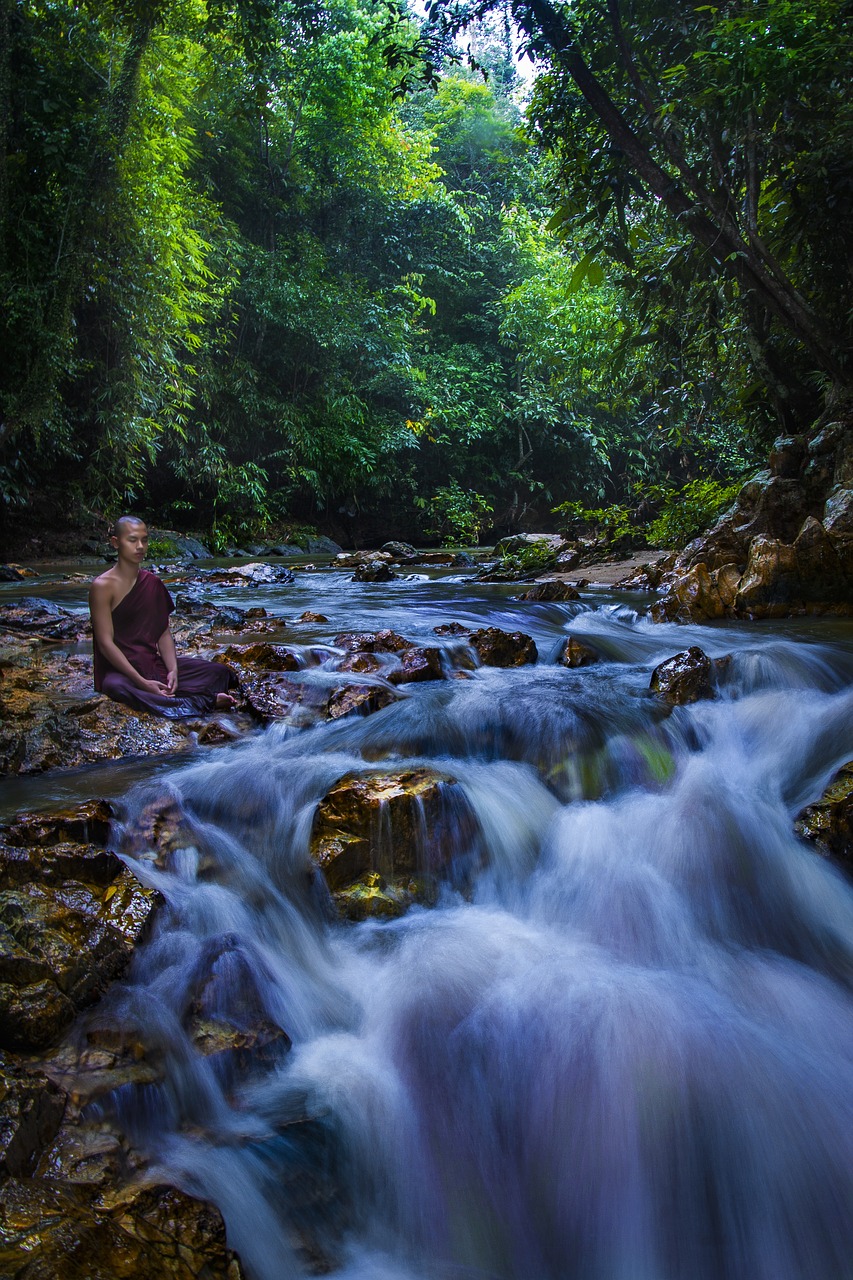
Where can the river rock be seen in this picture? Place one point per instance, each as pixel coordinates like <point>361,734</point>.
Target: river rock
<point>382,839</point>
<point>31,1112</point>
<point>373,572</point>
<point>385,641</point>
<point>496,648</point>
<point>257,573</point>
<point>260,657</point>
<point>70,917</point>
<point>320,545</point>
<point>361,698</point>
<point>575,653</point>
<point>309,616</point>
<point>80,938</point>
<point>400,550</point>
<point>416,665</point>
<point>49,621</point>
<point>354,559</point>
<point>443,558</point>
<point>451,629</point>
<point>15,573</point>
<point>684,678</point>
<point>275,696</point>
<point>58,1229</point>
<point>517,542</point>
<point>551,589</point>
<point>828,823</point>
<point>771,582</point>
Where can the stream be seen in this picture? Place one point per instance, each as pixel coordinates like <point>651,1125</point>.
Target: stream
<point>619,1048</point>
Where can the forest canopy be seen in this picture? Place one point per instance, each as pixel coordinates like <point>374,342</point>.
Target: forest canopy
<point>268,261</point>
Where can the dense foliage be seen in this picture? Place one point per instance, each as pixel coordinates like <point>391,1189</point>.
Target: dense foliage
<point>247,281</point>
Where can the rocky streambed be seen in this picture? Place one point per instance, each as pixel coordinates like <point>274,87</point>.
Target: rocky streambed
<point>399,703</point>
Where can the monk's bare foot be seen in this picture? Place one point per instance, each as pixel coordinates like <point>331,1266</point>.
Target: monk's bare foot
<point>225,702</point>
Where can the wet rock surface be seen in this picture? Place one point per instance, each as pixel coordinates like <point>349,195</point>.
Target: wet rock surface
<point>552,589</point>
<point>496,648</point>
<point>828,823</point>
<point>686,677</point>
<point>786,545</point>
<point>70,917</point>
<point>382,840</point>
<point>53,1228</point>
<point>74,1198</point>
<point>575,653</point>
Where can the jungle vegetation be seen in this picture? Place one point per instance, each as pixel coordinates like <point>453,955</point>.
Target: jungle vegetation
<point>265,262</point>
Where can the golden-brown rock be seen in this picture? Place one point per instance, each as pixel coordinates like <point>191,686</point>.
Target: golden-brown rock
<point>407,827</point>
<point>828,823</point>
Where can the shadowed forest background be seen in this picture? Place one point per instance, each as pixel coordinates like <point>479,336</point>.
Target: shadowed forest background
<point>272,263</point>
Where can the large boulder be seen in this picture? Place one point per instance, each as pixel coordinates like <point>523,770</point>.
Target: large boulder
<point>771,583</point>
<point>382,840</point>
<point>178,545</point>
<point>519,542</point>
<point>770,506</point>
<point>320,545</point>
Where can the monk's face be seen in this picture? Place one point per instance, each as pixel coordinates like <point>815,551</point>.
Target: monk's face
<point>131,542</point>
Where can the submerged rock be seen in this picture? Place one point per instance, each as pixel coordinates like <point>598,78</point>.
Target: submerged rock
<point>684,678</point>
<point>383,839</point>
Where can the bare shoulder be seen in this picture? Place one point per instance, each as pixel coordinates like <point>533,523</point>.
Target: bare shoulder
<point>103,587</point>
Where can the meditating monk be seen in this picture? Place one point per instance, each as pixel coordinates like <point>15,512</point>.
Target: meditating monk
<point>135,659</point>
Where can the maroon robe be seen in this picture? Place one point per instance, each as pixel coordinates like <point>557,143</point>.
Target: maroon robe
<point>139,620</point>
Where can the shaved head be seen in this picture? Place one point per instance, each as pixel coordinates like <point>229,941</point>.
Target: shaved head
<point>126,522</point>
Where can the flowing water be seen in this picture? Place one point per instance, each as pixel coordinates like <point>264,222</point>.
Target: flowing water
<point>625,1053</point>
